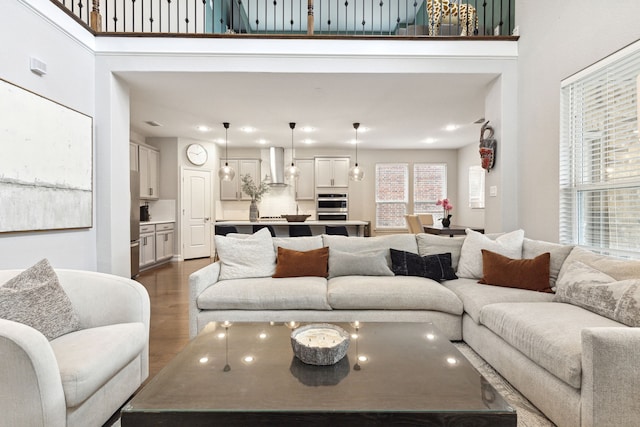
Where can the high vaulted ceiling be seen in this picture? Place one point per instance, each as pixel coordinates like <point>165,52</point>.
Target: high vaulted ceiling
<point>399,111</point>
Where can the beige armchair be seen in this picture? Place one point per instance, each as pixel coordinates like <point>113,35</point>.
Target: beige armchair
<point>83,377</point>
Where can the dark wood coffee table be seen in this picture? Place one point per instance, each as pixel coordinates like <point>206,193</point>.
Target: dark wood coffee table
<point>247,375</point>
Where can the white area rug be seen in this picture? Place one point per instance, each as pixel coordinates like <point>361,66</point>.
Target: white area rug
<point>528,415</point>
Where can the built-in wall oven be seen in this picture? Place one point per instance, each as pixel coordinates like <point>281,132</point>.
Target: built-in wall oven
<point>332,206</point>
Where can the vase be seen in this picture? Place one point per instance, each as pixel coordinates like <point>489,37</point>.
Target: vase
<point>253,211</point>
<point>446,221</point>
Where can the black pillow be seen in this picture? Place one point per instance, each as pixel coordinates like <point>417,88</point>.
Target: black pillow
<point>436,267</point>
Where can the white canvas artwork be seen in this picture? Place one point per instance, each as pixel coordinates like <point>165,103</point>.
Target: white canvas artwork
<point>45,163</point>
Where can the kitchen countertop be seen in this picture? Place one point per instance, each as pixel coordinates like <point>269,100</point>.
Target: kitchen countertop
<point>159,221</point>
<point>284,222</point>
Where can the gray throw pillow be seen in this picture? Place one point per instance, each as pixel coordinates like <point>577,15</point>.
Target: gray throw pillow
<point>35,298</point>
<point>369,263</point>
<point>591,289</point>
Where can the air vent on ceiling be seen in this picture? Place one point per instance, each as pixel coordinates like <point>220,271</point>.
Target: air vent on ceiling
<point>153,123</point>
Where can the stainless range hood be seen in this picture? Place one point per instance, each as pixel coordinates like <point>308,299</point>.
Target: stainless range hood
<point>276,161</point>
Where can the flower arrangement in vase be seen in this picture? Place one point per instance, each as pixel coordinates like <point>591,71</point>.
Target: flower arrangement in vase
<point>446,207</point>
<point>254,191</point>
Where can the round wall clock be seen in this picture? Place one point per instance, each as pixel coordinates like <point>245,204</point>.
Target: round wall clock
<point>197,154</point>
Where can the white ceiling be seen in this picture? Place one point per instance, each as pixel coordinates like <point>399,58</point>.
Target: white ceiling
<point>400,110</point>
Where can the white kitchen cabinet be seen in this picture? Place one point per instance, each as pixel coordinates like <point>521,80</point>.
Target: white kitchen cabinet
<point>332,172</point>
<point>149,165</point>
<point>164,242</point>
<point>232,190</point>
<point>147,245</point>
<point>305,184</point>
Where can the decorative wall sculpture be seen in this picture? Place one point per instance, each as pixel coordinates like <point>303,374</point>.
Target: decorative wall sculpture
<point>46,163</point>
<point>488,147</point>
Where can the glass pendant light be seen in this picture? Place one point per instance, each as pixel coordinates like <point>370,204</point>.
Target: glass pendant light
<point>356,173</point>
<point>226,172</point>
<point>293,172</point>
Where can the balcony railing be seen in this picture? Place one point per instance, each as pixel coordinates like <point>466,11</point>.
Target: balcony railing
<point>381,18</point>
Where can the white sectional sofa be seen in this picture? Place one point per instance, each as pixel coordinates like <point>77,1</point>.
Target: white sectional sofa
<point>572,353</point>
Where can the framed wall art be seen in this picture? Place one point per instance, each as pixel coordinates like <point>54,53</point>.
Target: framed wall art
<point>46,163</point>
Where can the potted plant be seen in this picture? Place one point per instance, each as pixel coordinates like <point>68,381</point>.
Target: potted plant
<point>254,191</point>
<point>446,207</point>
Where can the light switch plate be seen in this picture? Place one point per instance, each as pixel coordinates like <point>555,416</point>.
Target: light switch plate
<point>493,191</point>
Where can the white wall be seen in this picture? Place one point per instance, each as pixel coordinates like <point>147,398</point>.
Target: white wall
<point>555,42</point>
<point>31,28</point>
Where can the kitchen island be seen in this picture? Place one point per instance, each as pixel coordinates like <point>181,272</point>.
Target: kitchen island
<point>281,226</point>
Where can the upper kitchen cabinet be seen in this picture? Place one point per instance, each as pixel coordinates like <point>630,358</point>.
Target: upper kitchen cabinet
<point>332,172</point>
<point>232,190</point>
<point>305,184</point>
<point>149,165</point>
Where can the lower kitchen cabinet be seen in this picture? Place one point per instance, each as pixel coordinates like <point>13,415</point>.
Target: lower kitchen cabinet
<point>164,242</point>
<point>156,244</point>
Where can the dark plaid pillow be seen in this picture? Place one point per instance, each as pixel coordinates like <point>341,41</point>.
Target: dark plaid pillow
<point>436,267</point>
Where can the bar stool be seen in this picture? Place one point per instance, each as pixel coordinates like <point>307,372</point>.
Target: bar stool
<point>299,230</point>
<point>339,230</point>
<point>258,227</point>
<point>223,230</point>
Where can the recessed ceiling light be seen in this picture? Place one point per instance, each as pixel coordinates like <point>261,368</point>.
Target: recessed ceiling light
<point>307,129</point>
<point>203,128</point>
<point>363,129</point>
<point>430,140</point>
<point>308,141</point>
<point>247,129</point>
<point>451,127</point>
<point>353,141</point>
<point>262,141</point>
<point>219,141</point>
<point>153,123</point>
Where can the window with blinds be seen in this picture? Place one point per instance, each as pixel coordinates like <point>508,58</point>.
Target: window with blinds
<point>392,194</point>
<point>600,156</point>
<point>429,186</point>
<point>476,187</point>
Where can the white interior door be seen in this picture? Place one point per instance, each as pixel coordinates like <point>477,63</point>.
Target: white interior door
<point>196,213</point>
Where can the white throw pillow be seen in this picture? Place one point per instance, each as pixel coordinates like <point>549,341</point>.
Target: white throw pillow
<point>470,264</point>
<point>242,258</point>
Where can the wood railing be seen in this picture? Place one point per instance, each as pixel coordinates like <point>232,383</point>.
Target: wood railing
<point>297,17</point>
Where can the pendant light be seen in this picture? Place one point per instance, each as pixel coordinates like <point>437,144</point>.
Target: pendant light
<point>356,173</point>
<point>226,172</point>
<point>292,172</point>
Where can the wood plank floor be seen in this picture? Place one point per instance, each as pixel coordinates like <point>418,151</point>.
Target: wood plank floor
<point>168,287</point>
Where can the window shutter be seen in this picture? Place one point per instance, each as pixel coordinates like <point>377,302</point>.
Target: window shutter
<point>392,194</point>
<point>600,156</point>
<point>429,186</point>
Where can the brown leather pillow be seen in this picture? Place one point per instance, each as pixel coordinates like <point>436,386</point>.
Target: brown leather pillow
<point>292,263</point>
<point>531,274</point>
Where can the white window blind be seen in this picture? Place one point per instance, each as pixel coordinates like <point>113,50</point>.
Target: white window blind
<point>600,156</point>
<point>429,186</point>
<point>392,194</point>
<point>476,187</point>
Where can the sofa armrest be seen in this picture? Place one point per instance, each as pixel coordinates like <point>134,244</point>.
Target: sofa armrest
<point>610,376</point>
<point>31,391</point>
<point>198,282</point>
<point>102,299</point>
